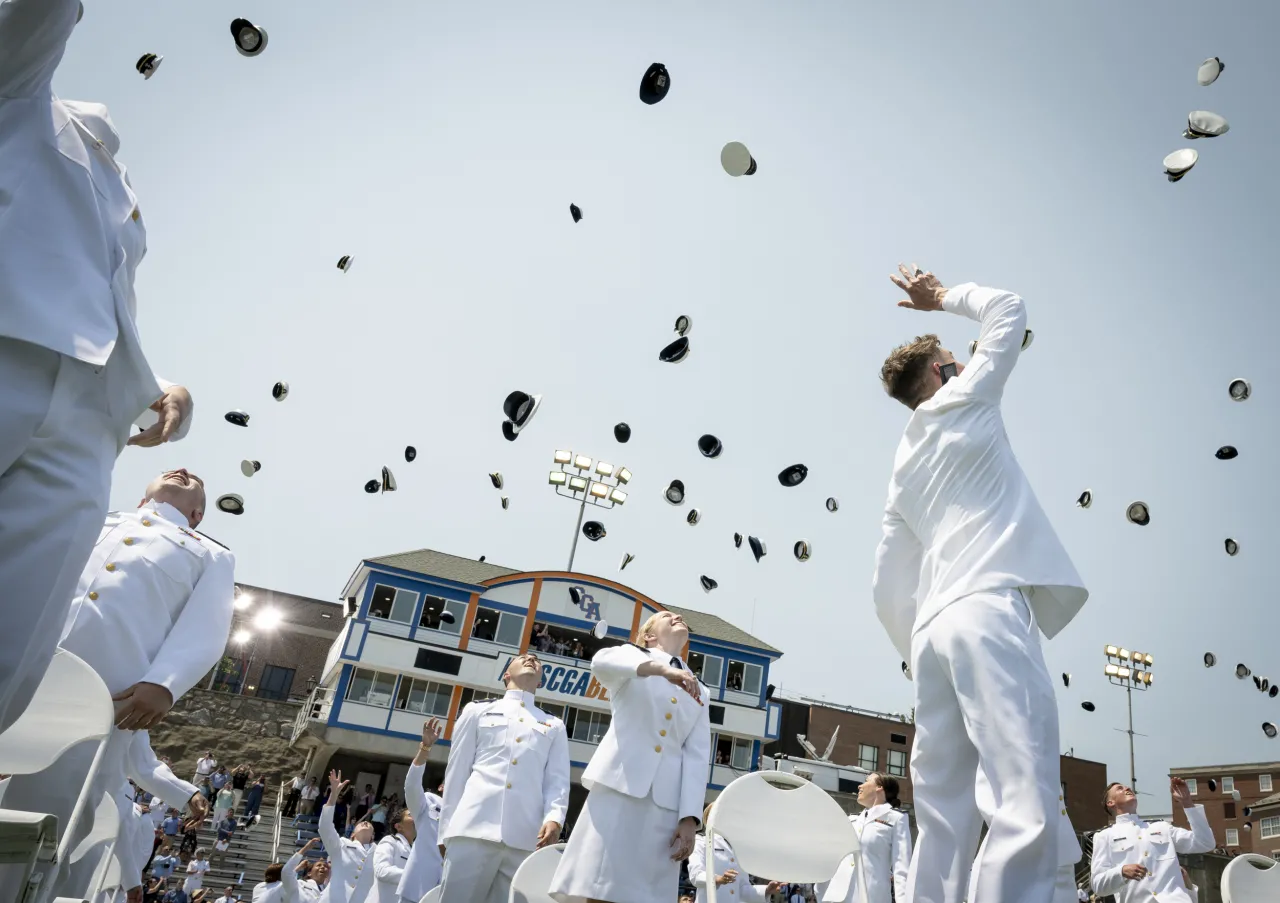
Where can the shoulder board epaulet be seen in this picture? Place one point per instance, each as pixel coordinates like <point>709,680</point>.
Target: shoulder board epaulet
<point>637,646</point>
<point>200,535</point>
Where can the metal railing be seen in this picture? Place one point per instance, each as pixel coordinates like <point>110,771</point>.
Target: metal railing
<point>315,708</point>
<point>275,834</point>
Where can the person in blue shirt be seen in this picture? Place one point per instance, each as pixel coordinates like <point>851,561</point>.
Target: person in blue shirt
<point>253,799</point>
<point>164,864</point>
<point>172,825</point>
<point>219,778</point>
<point>175,895</point>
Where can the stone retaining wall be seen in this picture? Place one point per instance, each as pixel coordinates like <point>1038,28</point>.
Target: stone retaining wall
<point>239,729</point>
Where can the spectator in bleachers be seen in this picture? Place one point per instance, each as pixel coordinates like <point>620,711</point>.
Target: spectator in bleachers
<point>196,868</point>
<point>152,890</point>
<point>219,778</point>
<point>228,896</point>
<point>378,815</point>
<point>175,894</point>
<point>253,800</point>
<point>365,803</point>
<point>164,864</point>
<point>240,779</point>
<point>206,787</point>
<point>172,824</point>
<point>205,766</point>
<point>223,804</point>
<point>295,796</point>
<point>190,839</point>
<point>309,795</point>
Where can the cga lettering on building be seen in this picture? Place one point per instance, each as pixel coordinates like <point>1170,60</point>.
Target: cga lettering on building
<point>587,602</point>
<point>567,681</point>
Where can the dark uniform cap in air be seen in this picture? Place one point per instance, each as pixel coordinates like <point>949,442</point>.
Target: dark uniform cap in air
<point>621,432</point>
<point>655,84</point>
<point>1210,659</point>
<point>1085,500</point>
<point>676,352</point>
<point>496,479</point>
<point>1274,691</point>
<point>344,262</point>
<point>674,493</point>
<point>239,418</point>
<point>280,391</point>
<point>505,502</point>
<point>593,530</point>
<point>1138,513</point>
<point>693,517</point>
<point>710,446</point>
<point>1209,71</point>
<point>833,504</point>
<point>757,547</point>
<point>1226,453</point>
<point>230,503</point>
<point>1242,671</point>
<point>446,616</point>
<point>576,212</point>
<point>707,583</point>
<point>1088,706</point>
<point>802,550</point>
<point>1066,679</point>
<point>793,475</point>
<point>249,468</point>
<point>1239,389</point>
<point>410,453</point>
<point>627,558</point>
<point>250,39</point>
<point>148,63</point>
<point>684,325</point>
<point>1231,546</point>
<point>737,540</point>
<point>372,486</point>
<point>737,160</point>
<point>388,481</point>
<point>519,408</point>
<point>1213,786</point>
<point>906,670</point>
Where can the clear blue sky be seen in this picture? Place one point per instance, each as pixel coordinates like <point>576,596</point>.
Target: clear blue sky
<point>1017,145</point>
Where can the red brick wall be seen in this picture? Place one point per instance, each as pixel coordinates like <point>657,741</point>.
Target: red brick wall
<point>1216,805</point>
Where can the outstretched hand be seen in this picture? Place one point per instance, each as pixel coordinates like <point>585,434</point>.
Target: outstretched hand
<point>174,406</point>
<point>924,291</point>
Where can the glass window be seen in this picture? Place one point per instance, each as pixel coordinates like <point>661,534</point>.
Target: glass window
<point>471,695</point>
<point>1264,783</point>
<point>589,727</point>
<point>580,645</point>
<point>744,677</point>
<point>900,739</point>
<point>1193,787</point>
<point>1228,785</point>
<point>1228,810</point>
<point>433,606</point>
<point>1270,827</point>
<point>868,757</point>
<point>500,627</point>
<point>391,604</point>
<point>707,667</point>
<point>371,687</point>
<point>741,754</point>
<point>897,763</point>
<point>551,708</point>
<point>424,697</point>
<point>275,682</point>
<point>1233,837</point>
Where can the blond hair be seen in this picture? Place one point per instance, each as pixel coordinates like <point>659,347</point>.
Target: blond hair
<point>645,633</point>
<point>905,371</point>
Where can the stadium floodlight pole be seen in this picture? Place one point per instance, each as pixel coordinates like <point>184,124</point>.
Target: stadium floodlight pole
<point>1131,670</point>
<point>587,481</point>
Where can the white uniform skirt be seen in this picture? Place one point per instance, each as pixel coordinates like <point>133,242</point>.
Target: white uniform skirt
<point>620,851</point>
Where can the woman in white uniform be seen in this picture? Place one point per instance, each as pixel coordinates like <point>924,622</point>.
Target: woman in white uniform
<point>735,885</point>
<point>885,835</point>
<point>648,778</point>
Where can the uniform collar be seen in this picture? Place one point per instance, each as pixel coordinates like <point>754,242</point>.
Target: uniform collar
<point>169,513</point>
<point>876,811</point>
<point>1130,819</point>
<point>520,696</point>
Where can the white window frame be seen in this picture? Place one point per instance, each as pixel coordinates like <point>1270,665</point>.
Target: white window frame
<point>1193,786</point>
<point>436,689</point>
<point>1269,827</point>
<point>1233,837</point>
<point>505,619</point>
<point>875,760</point>
<point>889,766</point>
<point>1265,788</point>
<point>1228,785</point>
<point>376,677</point>
<point>454,607</point>
<point>706,660</point>
<point>395,602</point>
<point>746,673</point>
<point>740,754</point>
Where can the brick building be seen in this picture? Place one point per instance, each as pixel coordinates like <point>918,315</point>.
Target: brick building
<point>278,644</point>
<point>1248,825</point>
<point>875,741</point>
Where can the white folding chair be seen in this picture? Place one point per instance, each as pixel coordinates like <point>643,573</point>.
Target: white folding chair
<point>532,879</point>
<point>70,706</point>
<point>432,896</point>
<point>27,838</point>
<point>1251,878</point>
<point>106,830</point>
<point>814,839</point>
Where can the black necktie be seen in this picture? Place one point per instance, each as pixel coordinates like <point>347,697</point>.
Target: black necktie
<point>676,663</point>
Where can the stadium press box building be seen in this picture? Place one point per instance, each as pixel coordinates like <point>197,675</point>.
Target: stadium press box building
<point>426,633</point>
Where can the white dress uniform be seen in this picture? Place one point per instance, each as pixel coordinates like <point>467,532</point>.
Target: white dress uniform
<point>1155,845</point>
<point>285,890</point>
<point>72,372</point>
<point>649,772</point>
<point>390,859</point>
<point>422,872</point>
<point>723,860</point>
<point>351,862</point>
<point>507,776</point>
<point>1065,889</point>
<point>885,835</point>
<point>967,568</point>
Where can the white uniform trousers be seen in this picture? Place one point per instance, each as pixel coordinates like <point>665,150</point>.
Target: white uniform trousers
<point>58,444</point>
<point>478,871</point>
<point>984,698</point>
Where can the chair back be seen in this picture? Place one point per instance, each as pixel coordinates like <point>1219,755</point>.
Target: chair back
<point>1251,878</point>
<point>106,825</point>
<point>532,879</point>
<point>433,895</point>
<point>783,828</point>
<point>70,706</point>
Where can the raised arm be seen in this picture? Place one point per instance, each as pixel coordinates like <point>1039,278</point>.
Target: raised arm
<point>328,831</point>
<point>415,799</point>
<point>199,636</point>
<point>33,37</point>
<point>615,665</point>
<point>462,755</point>
<point>896,580</point>
<point>289,874</point>
<point>1199,839</point>
<point>1003,316</point>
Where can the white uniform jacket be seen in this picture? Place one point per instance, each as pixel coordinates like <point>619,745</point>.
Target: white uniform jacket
<point>961,517</point>
<point>390,858</point>
<point>1132,841</point>
<point>423,870</point>
<point>71,233</point>
<point>885,856</point>
<point>154,602</point>
<point>659,740</point>
<point>283,891</point>
<point>351,863</point>
<point>508,773</point>
<point>723,860</point>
